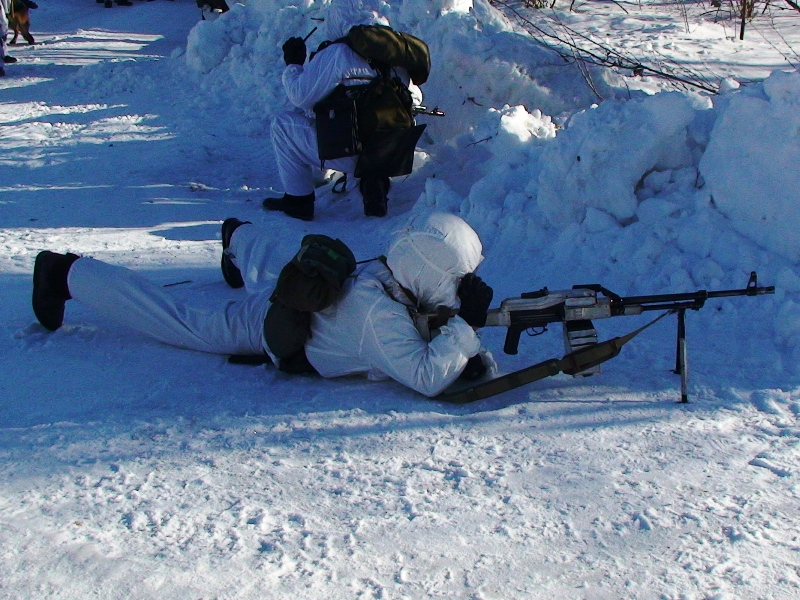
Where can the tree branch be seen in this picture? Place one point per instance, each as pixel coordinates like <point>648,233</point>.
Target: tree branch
<point>593,52</point>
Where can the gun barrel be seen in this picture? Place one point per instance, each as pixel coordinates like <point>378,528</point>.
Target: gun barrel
<point>689,300</point>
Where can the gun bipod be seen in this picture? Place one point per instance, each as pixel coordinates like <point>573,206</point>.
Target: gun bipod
<point>681,366</point>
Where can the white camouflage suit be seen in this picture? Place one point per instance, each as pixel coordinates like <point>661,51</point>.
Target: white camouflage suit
<point>294,136</point>
<point>368,330</point>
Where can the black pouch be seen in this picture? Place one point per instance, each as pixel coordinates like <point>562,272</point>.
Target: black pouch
<point>389,153</point>
<point>336,120</point>
<point>309,283</point>
<point>382,105</point>
<point>286,330</point>
<point>297,365</point>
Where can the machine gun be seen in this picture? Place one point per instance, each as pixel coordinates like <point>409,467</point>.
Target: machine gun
<point>575,309</point>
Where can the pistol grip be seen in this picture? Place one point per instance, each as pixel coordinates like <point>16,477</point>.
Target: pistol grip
<point>511,344</point>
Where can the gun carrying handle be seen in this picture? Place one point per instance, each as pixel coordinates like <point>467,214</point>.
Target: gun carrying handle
<point>511,344</point>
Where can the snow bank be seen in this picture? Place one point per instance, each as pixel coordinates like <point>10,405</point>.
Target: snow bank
<point>751,163</point>
<point>605,153</point>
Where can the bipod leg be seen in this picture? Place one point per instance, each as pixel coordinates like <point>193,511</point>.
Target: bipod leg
<point>680,356</point>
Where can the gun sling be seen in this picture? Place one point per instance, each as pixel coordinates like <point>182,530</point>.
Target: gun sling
<point>572,363</point>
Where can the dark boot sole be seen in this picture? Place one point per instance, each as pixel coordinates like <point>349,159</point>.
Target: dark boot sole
<point>48,304</point>
<point>230,272</point>
<point>289,208</point>
<point>374,192</point>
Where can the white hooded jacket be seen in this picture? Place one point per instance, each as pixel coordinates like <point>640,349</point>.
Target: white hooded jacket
<point>307,84</point>
<point>370,329</point>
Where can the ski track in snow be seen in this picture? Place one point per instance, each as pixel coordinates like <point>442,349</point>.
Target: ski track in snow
<point>129,469</point>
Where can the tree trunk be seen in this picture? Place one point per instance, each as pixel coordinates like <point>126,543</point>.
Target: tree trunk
<point>744,18</point>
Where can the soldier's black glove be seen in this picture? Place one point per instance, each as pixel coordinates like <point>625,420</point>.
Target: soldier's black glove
<point>294,51</point>
<point>475,369</point>
<point>476,296</point>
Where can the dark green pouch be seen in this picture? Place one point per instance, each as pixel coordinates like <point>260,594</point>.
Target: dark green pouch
<point>309,283</point>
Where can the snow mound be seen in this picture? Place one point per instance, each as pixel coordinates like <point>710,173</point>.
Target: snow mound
<point>750,165</point>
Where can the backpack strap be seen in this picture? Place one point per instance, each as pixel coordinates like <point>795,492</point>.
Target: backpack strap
<point>327,43</point>
<point>382,68</point>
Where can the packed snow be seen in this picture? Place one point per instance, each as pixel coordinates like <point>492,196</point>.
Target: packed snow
<point>132,469</point>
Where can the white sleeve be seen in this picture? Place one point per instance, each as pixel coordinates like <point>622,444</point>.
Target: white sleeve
<point>307,84</point>
<point>416,94</point>
<point>416,91</point>
<point>305,90</point>
<point>391,344</point>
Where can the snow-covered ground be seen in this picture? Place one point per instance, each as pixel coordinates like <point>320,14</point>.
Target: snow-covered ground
<point>133,470</point>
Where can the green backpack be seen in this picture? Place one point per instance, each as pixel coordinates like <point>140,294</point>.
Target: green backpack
<point>382,45</point>
<point>309,283</point>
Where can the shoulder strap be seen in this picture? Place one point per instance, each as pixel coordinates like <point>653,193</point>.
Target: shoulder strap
<point>325,44</point>
<point>383,69</point>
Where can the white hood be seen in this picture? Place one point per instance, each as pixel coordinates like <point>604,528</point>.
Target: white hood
<point>342,15</point>
<point>431,255</point>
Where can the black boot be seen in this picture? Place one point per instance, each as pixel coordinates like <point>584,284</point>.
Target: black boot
<point>374,191</point>
<point>50,290</point>
<point>9,59</point>
<point>2,72</point>
<point>299,207</point>
<point>231,273</point>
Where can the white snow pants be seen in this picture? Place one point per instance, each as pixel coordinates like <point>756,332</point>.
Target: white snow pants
<point>259,257</point>
<point>294,139</point>
<point>119,294</point>
<point>3,31</point>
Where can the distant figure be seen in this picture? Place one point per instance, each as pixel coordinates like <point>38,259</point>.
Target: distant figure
<point>328,74</point>
<point>19,20</point>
